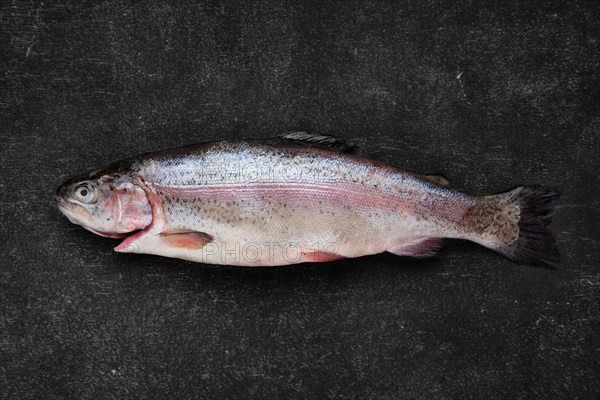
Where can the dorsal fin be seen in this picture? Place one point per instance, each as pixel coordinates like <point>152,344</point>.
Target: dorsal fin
<point>437,179</point>
<point>329,142</point>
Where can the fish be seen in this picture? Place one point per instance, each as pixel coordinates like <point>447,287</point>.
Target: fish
<point>295,198</point>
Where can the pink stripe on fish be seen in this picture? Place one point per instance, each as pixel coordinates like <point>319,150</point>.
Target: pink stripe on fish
<point>356,195</point>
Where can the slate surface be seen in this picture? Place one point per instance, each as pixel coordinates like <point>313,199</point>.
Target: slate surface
<point>491,96</point>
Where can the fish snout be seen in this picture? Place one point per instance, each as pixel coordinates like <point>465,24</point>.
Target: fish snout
<point>61,192</point>
<point>60,197</point>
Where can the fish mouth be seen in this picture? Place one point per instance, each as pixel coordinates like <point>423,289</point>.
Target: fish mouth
<point>66,208</point>
<point>60,202</point>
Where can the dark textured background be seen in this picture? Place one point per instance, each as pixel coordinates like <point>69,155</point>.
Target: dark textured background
<point>490,96</point>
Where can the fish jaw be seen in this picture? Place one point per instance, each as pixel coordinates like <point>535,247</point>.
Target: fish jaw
<point>75,213</point>
<point>109,234</point>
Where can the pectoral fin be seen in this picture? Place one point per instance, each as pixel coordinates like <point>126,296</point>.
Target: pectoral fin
<point>191,240</point>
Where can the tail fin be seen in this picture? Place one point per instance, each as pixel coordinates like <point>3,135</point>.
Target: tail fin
<point>530,242</point>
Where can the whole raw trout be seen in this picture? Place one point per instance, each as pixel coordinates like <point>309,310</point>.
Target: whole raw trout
<point>297,198</point>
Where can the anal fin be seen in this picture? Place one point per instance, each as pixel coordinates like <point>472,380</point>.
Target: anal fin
<point>422,248</point>
<point>320,256</point>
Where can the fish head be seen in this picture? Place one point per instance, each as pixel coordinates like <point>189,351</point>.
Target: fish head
<point>106,202</point>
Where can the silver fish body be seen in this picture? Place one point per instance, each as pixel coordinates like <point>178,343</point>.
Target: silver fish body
<point>301,198</point>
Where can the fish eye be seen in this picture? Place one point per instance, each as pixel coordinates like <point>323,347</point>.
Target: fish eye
<point>85,193</point>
